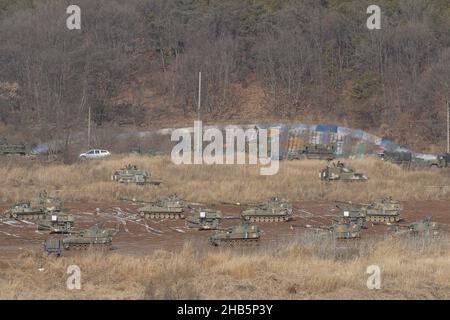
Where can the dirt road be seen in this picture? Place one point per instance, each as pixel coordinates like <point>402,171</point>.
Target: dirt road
<point>138,236</point>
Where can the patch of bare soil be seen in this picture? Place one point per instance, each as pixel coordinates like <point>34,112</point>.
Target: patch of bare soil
<point>138,236</point>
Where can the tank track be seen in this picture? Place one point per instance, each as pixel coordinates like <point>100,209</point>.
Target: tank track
<point>26,217</point>
<point>86,246</point>
<point>267,219</point>
<point>131,181</point>
<point>382,219</point>
<point>160,215</point>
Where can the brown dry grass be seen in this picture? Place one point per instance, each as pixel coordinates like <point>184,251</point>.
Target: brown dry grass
<point>304,268</point>
<point>296,180</point>
<point>301,269</point>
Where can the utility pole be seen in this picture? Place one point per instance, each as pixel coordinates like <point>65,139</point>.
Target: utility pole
<point>199,94</point>
<point>89,127</point>
<point>448,125</point>
<point>198,133</point>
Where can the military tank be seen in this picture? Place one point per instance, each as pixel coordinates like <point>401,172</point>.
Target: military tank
<point>12,149</point>
<point>422,227</point>
<point>49,203</point>
<point>241,235</point>
<point>397,157</point>
<point>339,172</point>
<point>56,222</point>
<point>314,151</point>
<point>274,209</point>
<point>383,210</point>
<point>55,218</point>
<point>25,211</point>
<point>441,161</point>
<point>171,207</point>
<point>131,174</point>
<point>345,230</point>
<point>34,210</point>
<point>93,237</point>
<point>204,219</point>
<point>350,213</point>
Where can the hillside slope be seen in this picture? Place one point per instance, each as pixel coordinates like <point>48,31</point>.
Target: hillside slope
<point>136,64</point>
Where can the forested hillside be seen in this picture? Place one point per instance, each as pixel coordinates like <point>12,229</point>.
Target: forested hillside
<point>136,63</point>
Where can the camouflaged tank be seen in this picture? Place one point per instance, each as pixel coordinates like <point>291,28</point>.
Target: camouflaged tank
<point>171,207</point>
<point>49,203</point>
<point>441,161</point>
<point>24,211</point>
<point>34,210</point>
<point>383,210</point>
<point>339,172</point>
<point>345,230</point>
<point>93,237</point>
<point>348,213</point>
<point>397,157</point>
<point>314,151</point>
<point>425,226</point>
<point>131,174</point>
<point>12,149</point>
<point>422,227</point>
<point>241,235</point>
<point>204,219</point>
<point>56,222</point>
<point>273,210</point>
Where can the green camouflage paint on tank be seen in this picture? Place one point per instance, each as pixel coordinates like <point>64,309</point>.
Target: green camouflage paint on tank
<point>88,238</point>
<point>274,209</point>
<point>204,219</point>
<point>350,213</point>
<point>340,172</point>
<point>345,230</point>
<point>315,151</point>
<point>240,235</point>
<point>56,222</point>
<point>384,210</point>
<point>35,209</point>
<point>441,161</point>
<point>12,149</point>
<point>131,174</point>
<point>170,207</point>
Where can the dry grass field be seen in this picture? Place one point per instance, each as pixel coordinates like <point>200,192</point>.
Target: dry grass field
<point>305,267</point>
<point>302,269</point>
<point>296,180</point>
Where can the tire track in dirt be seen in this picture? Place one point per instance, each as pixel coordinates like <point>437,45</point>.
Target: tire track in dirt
<point>136,235</point>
